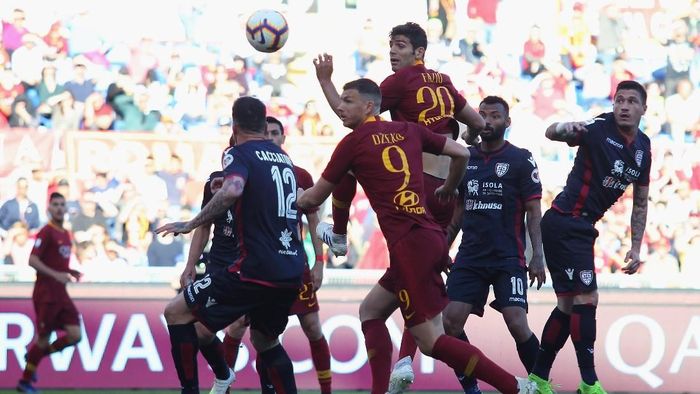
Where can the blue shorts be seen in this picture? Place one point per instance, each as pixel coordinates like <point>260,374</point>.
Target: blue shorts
<point>470,284</point>
<point>221,298</point>
<point>568,249</point>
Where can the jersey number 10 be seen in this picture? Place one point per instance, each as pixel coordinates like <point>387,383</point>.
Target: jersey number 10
<point>285,201</point>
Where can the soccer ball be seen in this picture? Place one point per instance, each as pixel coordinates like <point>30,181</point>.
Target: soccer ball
<point>267,30</point>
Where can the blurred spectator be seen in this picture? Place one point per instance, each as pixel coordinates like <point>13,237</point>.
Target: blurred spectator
<point>98,114</point>
<point>19,209</point>
<point>28,60</point>
<point>610,30</point>
<point>682,121</point>
<point>17,245</point>
<point>486,12</point>
<point>14,30</point>
<point>80,86</point>
<point>90,214</point>
<point>10,89</point>
<point>56,40</point>
<point>66,115</point>
<point>533,53</point>
<point>680,57</point>
<point>309,122</point>
<point>175,179</point>
<point>50,93</point>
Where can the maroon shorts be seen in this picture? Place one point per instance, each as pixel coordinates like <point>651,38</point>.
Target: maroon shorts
<point>415,264</point>
<point>306,301</point>
<point>442,212</point>
<point>51,316</point>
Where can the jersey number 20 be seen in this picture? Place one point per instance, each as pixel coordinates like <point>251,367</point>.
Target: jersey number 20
<point>285,201</point>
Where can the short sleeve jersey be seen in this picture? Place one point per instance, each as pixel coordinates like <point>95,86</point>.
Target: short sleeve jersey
<point>267,224</point>
<point>495,189</point>
<point>385,157</point>
<point>420,95</point>
<point>224,246</point>
<point>53,248</point>
<point>605,164</point>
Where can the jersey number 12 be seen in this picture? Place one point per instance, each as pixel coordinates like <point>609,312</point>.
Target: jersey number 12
<point>285,201</point>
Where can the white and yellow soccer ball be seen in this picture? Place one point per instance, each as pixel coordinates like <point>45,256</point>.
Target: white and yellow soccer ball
<point>267,30</point>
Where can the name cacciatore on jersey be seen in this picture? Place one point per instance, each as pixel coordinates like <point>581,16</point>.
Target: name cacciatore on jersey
<point>605,164</point>
<point>495,189</point>
<point>267,227</point>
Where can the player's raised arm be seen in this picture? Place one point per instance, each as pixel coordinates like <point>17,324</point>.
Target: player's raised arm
<point>565,131</point>
<point>475,123</point>
<point>324,71</point>
<point>458,166</point>
<point>638,222</point>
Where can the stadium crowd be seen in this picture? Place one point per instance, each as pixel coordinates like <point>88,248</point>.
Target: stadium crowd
<point>68,75</point>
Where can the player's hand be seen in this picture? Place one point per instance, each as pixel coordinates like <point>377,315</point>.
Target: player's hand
<point>187,276</point>
<point>324,67</point>
<point>536,271</point>
<point>301,204</point>
<point>633,262</point>
<point>471,136</point>
<point>75,274</point>
<point>63,277</point>
<point>215,184</point>
<point>174,228</point>
<point>317,276</point>
<point>445,195</point>
<point>569,130</point>
<point>448,265</point>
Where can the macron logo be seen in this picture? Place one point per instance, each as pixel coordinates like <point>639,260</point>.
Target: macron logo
<point>614,143</point>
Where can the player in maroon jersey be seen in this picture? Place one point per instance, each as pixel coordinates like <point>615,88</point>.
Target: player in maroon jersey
<point>385,158</point>
<point>52,304</point>
<point>416,94</point>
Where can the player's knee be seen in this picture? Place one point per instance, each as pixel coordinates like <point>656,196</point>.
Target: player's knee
<point>311,328</point>
<point>74,337</point>
<point>587,298</point>
<point>174,312</point>
<point>452,324</point>
<point>262,342</point>
<point>519,329</point>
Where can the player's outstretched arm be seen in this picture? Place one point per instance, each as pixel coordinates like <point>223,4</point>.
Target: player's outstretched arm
<point>565,131</point>
<point>224,198</point>
<point>535,269</point>
<point>200,238</point>
<point>315,195</point>
<point>638,222</point>
<point>324,71</point>
<point>455,225</point>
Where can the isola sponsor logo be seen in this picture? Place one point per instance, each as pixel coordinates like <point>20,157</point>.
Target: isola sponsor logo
<point>476,205</point>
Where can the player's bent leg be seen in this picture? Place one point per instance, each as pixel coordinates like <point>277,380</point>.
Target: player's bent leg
<point>213,351</point>
<point>454,317</point>
<point>320,352</point>
<point>232,340</point>
<point>33,356</point>
<point>184,343</point>
<point>583,335</point>
<point>177,311</point>
<point>465,357</point>
<point>526,341</point>
<point>374,310</point>
<point>73,335</point>
<point>555,333</point>
<point>276,362</point>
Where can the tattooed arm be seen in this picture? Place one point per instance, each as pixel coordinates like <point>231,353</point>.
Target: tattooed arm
<point>224,198</point>
<point>638,223</point>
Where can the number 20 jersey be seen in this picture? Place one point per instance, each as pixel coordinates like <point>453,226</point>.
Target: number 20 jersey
<point>420,95</point>
<point>266,220</point>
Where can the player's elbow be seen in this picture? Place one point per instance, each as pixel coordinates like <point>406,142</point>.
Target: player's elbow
<point>551,131</point>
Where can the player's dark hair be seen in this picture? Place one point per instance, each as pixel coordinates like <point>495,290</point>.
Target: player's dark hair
<point>249,114</point>
<point>367,89</point>
<point>272,119</point>
<point>416,35</point>
<point>56,195</point>
<point>633,85</point>
<point>496,100</point>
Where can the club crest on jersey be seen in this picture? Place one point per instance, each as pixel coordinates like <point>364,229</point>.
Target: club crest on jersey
<point>501,169</point>
<point>586,277</point>
<point>226,160</point>
<point>638,156</point>
<point>618,168</point>
<point>473,187</point>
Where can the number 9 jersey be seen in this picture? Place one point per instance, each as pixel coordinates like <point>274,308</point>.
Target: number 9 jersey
<point>267,225</point>
<point>419,95</point>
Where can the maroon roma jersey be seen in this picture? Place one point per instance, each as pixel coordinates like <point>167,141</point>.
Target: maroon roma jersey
<point>53,248</point>
<point>420,95</point>
<point>304,181</point>
<point>386,159</point>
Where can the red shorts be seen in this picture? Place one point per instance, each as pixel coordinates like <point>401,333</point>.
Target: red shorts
<point>415,264</point>
<point>442,212</point>
<point>51,316</point>
<point>306,301</point>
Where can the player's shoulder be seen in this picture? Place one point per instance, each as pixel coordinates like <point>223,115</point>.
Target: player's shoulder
<point>215,174</point>
<point>602,120</point>
<point>644,139</point>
